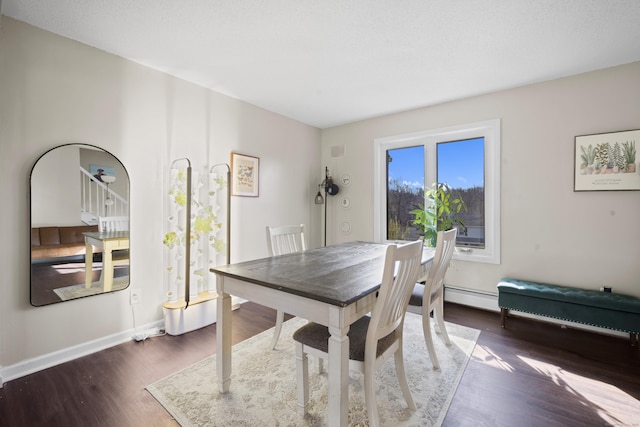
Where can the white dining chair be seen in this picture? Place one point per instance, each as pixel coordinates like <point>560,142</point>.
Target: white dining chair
<point>283,240</point>
<point>372,339</point>
<point>430,295</point>
<point>113,223</point>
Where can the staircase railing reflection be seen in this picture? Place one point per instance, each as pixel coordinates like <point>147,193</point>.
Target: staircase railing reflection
<point>98,199</point>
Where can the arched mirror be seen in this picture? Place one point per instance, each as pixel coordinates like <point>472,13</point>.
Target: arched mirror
<point>79,224</point>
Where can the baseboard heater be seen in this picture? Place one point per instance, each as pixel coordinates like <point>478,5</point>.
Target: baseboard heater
<point>471,297</point>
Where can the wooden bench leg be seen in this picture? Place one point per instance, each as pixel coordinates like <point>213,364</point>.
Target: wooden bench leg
<point>503,316</point>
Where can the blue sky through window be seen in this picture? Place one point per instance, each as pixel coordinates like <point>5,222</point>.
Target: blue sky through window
<point>460,164</point>
<point>407,165</point>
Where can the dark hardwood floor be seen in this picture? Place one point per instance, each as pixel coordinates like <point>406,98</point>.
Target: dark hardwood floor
<point>46,276</point>
<point>530,374</point>
<point>541,374</point>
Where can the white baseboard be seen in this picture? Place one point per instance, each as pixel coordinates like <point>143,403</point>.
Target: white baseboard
<point>26,367</point>
<point>489,301</point>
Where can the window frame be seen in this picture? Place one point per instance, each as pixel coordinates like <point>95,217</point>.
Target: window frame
<point>490,131</point>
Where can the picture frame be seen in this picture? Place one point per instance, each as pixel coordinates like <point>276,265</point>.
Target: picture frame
<point>100,171</point>
<point>245,175</point>
<point>607,161</point>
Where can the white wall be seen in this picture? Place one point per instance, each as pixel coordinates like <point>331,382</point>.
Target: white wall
<point>549,232</point>
<point>56,91</point>
<point>55,189</point>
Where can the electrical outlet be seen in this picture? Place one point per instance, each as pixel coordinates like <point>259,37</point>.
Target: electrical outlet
<point>135,296</point>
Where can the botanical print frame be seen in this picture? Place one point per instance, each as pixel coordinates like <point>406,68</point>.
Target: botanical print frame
<point>245,175</point>
<point>607,161</point>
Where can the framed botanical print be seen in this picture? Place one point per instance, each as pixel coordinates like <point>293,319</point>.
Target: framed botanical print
<point>607,161</point>
<point>245,174</point>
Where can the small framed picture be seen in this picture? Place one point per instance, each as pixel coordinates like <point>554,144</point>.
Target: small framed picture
<point>607,161</point>
<point>245,175</point>
<point>100,172</point>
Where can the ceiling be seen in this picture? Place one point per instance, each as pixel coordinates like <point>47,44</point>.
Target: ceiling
<point>331,62</point>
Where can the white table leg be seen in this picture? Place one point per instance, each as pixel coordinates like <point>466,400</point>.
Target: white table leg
<point>338,376</point>
<point>302,373</point>
<point>223,337</point>
<point>107,268</point>
<point>88,265</point>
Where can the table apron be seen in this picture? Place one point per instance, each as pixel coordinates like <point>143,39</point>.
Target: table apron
<point>116,243</point>
<point>306,308</point>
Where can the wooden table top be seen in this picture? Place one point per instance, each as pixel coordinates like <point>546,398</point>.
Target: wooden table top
<point>106,235</point>
<point>338,274</point>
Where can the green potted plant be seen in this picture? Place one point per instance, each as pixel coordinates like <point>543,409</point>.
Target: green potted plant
<point>441,212</point>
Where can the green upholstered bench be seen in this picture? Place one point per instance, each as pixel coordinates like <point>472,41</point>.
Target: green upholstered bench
<point>606,310</point>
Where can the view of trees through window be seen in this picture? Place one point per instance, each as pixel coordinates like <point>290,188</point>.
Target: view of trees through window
<point>460,164</point>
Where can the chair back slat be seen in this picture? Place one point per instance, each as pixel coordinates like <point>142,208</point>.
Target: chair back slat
<point>445,246</point>
<point>401,269</point>
<point>285,239</point>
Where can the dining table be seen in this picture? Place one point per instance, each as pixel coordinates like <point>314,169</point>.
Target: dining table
<point>108,241</point>
<point>333,286</point>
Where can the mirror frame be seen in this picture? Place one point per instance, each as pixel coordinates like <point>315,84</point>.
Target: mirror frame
<point>104,196</point>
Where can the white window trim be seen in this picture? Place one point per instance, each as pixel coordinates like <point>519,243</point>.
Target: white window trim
<point>490,130</point>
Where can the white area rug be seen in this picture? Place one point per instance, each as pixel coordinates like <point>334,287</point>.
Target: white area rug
<point>263,384</point>
<point>79,291</point>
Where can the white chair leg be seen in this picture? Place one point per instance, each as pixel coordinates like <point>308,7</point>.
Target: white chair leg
<point>402,379</point>
<point>428,339</point>
<point>302,374</point>
<point>436,320</point>
<point>439,313</point>
<point>370,394</point>
<point>277,329</point>
<point>320,365</point>
<point>436,324</point>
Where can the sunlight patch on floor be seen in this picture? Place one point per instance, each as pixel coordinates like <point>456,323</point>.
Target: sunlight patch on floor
<point>71,268</point>
<point>486,356</point>
<point>613,406</point>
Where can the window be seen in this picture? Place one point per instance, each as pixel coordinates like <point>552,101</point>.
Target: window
<point>460,164</point>
<point>465,157</point>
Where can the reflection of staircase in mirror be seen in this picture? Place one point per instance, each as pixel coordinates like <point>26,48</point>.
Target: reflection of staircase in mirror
<point>88,218</point>
<point>98,199</point>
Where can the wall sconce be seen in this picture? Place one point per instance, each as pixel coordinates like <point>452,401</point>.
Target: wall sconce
<point>330,189</point>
